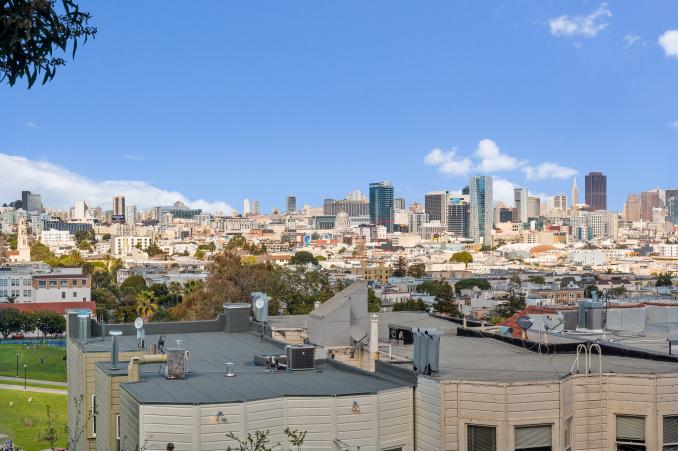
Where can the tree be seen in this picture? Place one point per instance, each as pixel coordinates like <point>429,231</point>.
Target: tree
<point>483,284</point>
<point>3,250</point>
<point>303,258</point>
<point>50,433</point>
<point>373,301</point>
<point>153,249</point>
<point>664,280</point>
<point>105,300</point>
<point>50,323</point>
<point>515,302</point>
<point>447,306</point>
<point>462,257</point>
<point>436,288</point>
<point>133,284</point>
<point>400,267</point>
<point>410,305</point>
<point>10,322</point>
<point>32,31</point>
<point>146,304</point>
<point>588,291</point>
<point>40,252</point>
<point>417,270</point>
<point>29,322</point>
<point>539,280</point>
<point>199,254</point>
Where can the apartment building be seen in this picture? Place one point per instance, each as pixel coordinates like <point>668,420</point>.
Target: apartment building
<point>42,284</point>
<point>124,245</point>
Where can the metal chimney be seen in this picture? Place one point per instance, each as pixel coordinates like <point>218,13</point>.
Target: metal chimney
<point>83,318</point>
<point>114,348</point>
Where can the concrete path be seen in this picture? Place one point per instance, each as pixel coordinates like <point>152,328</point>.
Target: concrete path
<point>53,391</point>
<point>34,381</point>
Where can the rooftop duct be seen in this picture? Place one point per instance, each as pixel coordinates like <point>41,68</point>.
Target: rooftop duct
<point>83,320</point>
<point>426,351</point>
<point>114,348</point>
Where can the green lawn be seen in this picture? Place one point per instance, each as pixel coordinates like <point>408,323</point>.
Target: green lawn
<point>53,367</point>
<point>25,422</point>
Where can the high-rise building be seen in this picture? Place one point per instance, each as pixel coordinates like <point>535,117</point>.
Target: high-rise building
<point>596,191</point>
<point>480,209</point>
<point>354,208</point>
<point>668,194</point>
<point>458,217</point>
<point>245,207</point>
<point>356,195</point>
<point>520,198</point>
<point>32,203</point>
<point>435,206</point>
<point>465,191</point>
<point>415,221</point>
<point>399,203</point>
<point>256,209</point>
<point>533,207</point>
<point>381,204</point>
<point>575,193</point>
<point>649,200</point>
<point>81,211</point>
<point>632,208</point>
<point>131,214</point>
<point>560,202</point>
<point>118,209</point>
<point>291,204</point>
<point>672,209</point>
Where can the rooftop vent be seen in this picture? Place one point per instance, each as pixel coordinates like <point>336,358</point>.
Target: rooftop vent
<point>114,348</point>
<point>426,351</point>
<point>83,319</point>
<point>176,364</point>
<point>300,357</point>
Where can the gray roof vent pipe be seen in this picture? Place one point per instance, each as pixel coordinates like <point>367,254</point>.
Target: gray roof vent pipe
<point>115,348</point>
<point>83,318</point>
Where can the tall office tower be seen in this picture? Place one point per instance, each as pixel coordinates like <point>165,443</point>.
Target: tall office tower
<point>668,194</point>
<point>399,203</point>
<point>648,201</point>
<point>131,214</point>
<point>480,209</point>
<point>81,211</point>
<point>291,204</point>
<point>520,197</point>
<point>256,209</point>
<point>672,209</point>
<point>465,191</point>
<point>632,208</point>
<point>354,208</point>
<point>32,203</point>
<point>246,207</point>
<point>356,195</point>
<point>458,217</point>
<point>118,209</point>
<point>435,206</point>
<point>533,207</point>
<point>560,202</point>
<point>415,221</point>
<point>596,191</point>
<point>381,204</point>
<point>575,193</point>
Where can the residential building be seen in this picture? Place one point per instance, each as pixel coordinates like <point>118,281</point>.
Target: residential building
<point>125,245</point>
<point>649,200</point>
<point>381,205</point>
<point>481,211</point>
<point>521,203</point>
<point>290,204</point>
<point>30,202</point>
<point>131,214</point>
<point>39,283</point>
<point>458,217</point>
<point>596,190</point>
<point>416,221</point>
<point>632,208</point>
<point>56,238</point>
<point>435,205</point>
<point>354,208</point>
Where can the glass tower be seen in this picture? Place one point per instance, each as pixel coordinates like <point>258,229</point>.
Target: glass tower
<point>381,205</point>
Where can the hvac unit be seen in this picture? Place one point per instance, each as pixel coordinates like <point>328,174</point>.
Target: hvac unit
<point>300,357</point>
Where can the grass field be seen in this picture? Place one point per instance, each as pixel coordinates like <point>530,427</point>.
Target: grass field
<point>53,367</point>
<point>25,422</point>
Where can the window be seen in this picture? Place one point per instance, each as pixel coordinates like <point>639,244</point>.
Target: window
<point>481,438</point>
<point>630,433</point>
<point>670,433</point>
<point>117,433</point>
<point>567,434</point>
<point>53,283</point>
<point>94,415</point>
<point>84,282</point>
<point>42,284</point>
<point>63,295</point>
<point>16,293</point>
<point>533,438</point>
<point>15,282</point>
<point>3,282</point>
<point>27,293</point>
<point>63,283</point>
<point>27,282</point>
<point>75,294</point>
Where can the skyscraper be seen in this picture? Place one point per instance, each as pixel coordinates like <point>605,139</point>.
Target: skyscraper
<point>632,208</point>
<point>381,204</point>
<point>435,205</point>
<point>245,207</point>
<point>400,203</point>
<point>458,217</point>
<point>291,204</point>
<point>255,208</point>
<point>32,203</point>
<point>575,193</point>
<point>533,207</point>
<point>118,209</point>
<point>649,200</point>
<point>596,191</point>
<point>560,202</point>
<point>131,214</point>
<point>480,209</point>
<point>672,209</point>
<point>520,197</point>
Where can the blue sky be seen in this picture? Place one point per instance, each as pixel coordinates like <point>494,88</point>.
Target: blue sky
<point>228,100</point>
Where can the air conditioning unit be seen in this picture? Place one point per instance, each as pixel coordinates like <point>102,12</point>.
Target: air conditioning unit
<point>270,360</point>
<point>300,357</point>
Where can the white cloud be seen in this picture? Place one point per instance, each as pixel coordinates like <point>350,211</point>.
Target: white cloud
<point>548,170</point>
<point>674,124</point>
<point>669,42</point>
<point>133,157</point>
<point>588,26</point>
<point>491,158</point>
<point>631,39</point>
<point>502,191</point>
<point>31,125</point>
<point>447,163</point>
<point>60,187</point>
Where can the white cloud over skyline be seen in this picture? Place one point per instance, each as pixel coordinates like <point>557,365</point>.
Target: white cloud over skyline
<point>631,39</point>
<point>587,26</point>
<point>447,162</point>
<point>548,170</point>
<point>61,187</point>
<point>669,42</point>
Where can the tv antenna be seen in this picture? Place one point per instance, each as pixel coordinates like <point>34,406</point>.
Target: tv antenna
<point>357,335</point>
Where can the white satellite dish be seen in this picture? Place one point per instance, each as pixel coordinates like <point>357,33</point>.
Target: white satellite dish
<point>553,321</point>
<point>138,323</point>
<point>357,334</point>
<point>259,303</point>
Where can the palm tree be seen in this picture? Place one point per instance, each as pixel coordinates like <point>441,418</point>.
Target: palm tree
<point>146,305</point>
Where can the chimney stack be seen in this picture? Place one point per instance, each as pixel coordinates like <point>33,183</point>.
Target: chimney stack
<point>114,348</point>
<point>374,338</point>
<point>83,318</point>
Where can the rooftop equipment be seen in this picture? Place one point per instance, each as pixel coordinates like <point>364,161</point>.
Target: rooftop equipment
<point>114,348</point>
<point>260,306</point>
<point>426,351</point>
<point>300,357</point>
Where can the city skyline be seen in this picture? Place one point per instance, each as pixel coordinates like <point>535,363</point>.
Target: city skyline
<point>426,109</point>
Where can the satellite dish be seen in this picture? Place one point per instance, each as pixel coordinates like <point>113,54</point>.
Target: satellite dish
<point>357,334</point>
<point>552,321</point>
<point>138,323</point>
<point>524,322</point>
<point>259,303</point>
<point>466,310</point>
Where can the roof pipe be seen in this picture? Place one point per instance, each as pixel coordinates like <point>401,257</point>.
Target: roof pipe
<point>134,367</point>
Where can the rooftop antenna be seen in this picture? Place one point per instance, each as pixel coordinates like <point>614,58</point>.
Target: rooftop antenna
<point>524,322</point>
<point>550,323</point>
<point>357,335</point>
<point>466,311</point>
<point>141,334</point>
